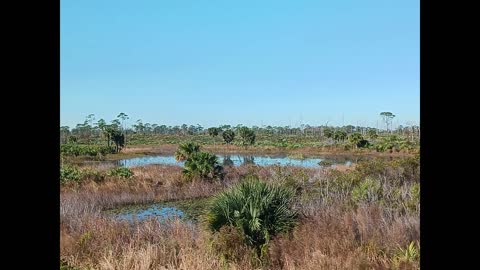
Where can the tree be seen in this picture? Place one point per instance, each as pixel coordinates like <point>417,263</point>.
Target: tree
<point>213,131</point>
<point>247,135</point>
<point>186,150</point>
<point>116,124</point>
<point>339,135</point>
<point>119,139</point>
<point>387,118</point>
<point>372,134</point>
<point>355,139</point>
<point>109,131</point>
<point>228,136</point>
<point>64,132</point>
<point>204,165</point>
<point>101,124</point>
<point>328,132</point>
<point>90,118</point>
<point>124,117</point>
<point>139,127</point>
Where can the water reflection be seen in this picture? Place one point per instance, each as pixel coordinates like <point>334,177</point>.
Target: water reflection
<point>238,160</point>
<point>248,160</point>
<point>227,161</point>
<point>154,211</point>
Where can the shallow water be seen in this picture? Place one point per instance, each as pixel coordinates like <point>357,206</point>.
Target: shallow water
<point>236,160</point>
<point>159,212</point>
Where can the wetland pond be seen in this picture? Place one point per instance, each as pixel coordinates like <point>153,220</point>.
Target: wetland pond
<point>187,210</point>
<point>237,160</point>
<point>190,210</point>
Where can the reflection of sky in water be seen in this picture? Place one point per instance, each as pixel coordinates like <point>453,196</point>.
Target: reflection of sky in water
<point>161,213</point>
<point>237,160</point>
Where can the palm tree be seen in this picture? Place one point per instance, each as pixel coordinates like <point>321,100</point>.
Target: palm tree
<point>101,124</point>
<point>64,131</point>
<point>247,135</point>
<point>228,136</point>
<point>185,150</point>
<point>339,135</point>
<point>204,165</point>
<point>372,133</point>
<point>124,118</point>
<point>355,138</point>
<point>213,132</point>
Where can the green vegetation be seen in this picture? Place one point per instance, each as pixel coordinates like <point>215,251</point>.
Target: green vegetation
<point>85,150</point>
<point>247,135</point>
<point>387,118</point>
<point>407,255</point>
<point>228,136</point>
<point>203,165</point>
<point>186,150</point>
<point>325,163</point>
<point>121,172</point>
<point>73,174</point>
<point>363,217</point>
<point>69,173</point>
<point>368,215</point>
<point>402,138</point>
<point>213,131</point>
<point>369,190</point>
<point>258,209</point>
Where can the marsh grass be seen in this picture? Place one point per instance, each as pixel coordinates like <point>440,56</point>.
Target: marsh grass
<point>336,229</point>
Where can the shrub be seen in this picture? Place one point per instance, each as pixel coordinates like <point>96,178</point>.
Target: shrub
<point>411,167</point>
<point>363,144</point>
<point>69,173</point>
<point>247,135</point>
<point>325,163</point>
<point>203,165</point>
<point>373,167</point>
<point>85,150</point>
<point>186,150</point>
<point>369,190</point>
<point>121,172</point>
<point>258,209</point>
<point>407,255</point>
<point>413,202</point>
<point>92,175</point>
<point>228,136</point>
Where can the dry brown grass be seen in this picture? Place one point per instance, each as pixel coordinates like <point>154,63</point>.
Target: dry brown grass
<point>332,234</point>
<point>333,239</point>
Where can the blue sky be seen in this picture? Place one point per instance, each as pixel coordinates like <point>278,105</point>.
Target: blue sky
<point>230,62</point>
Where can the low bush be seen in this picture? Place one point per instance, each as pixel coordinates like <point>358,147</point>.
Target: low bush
<point>121,172</point>
<point>85,150</point>
<point>369,190</point>
<point>259,210</point>
<point>203,165</point>
<point>69,173</point>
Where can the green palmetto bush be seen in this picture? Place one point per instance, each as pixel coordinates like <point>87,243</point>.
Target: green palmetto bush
<point>185,150</point>
<point>203,165</point>
<point>411,253</point>
<point>369,190</point>
<point>69,173</point>
<point>121,172</point>
<point>258,209</point>
<point>85,150</point>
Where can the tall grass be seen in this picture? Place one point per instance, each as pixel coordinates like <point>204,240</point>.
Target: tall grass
<point>364,218</point>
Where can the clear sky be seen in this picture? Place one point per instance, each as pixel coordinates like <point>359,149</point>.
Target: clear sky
<point>269,62</point>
